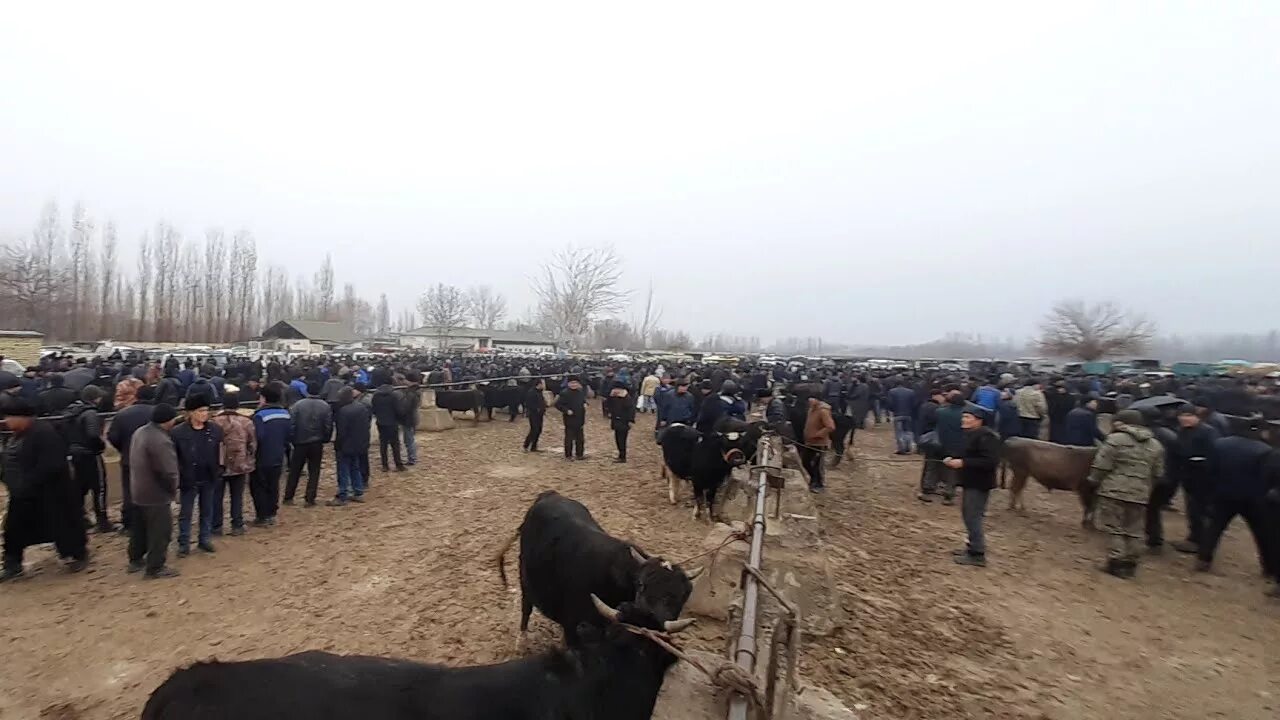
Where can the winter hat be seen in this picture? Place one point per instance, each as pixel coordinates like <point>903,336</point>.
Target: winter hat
<point>1131,417</point>
<point>975,410</point>
<point>196,403</point>
<point>163,413</point>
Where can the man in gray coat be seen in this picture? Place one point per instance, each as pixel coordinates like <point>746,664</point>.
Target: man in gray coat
<point>153,480</point>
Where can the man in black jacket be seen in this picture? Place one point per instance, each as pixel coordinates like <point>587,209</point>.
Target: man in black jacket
<point>198,443</point>
<point>621,411</point>
<point>976,468</point>
<point>55,398</point>
<point>43,502</point>
<point>1190,462</point>
<point>572,404</point>
<point>387,414</point>
<point>120,434</point>
<point>82,428</point>
<point>535,408</point>
<point>310,427</point>
<point>1246,483</point>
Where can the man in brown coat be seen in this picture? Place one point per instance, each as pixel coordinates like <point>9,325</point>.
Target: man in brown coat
<point>818,426</point>
<point>239,451</point>
<point>153,479</point>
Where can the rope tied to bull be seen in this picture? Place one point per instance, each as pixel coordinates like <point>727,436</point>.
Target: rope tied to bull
<point>727,674</point>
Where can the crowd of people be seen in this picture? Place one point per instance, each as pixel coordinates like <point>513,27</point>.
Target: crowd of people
<point>182,437</point>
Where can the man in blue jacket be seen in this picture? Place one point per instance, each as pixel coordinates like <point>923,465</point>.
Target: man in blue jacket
<point>1081,426</point>
<point>1246,483</point>
<point>902,406</point>
<point>271,423</point>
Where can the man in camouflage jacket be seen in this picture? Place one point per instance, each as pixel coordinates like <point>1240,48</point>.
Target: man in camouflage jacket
<point>1126,465</point>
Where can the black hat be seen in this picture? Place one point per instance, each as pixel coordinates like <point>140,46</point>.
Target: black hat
<point>196,403</point>
<point>1186,409</point>
<point>163,413</point>
<point>975,410</point>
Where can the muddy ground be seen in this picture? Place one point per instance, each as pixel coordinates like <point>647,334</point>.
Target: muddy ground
<point>1039,633</point>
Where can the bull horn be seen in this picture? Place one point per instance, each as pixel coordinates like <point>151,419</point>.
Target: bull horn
<point>695,572</point>
<point>601,607</point>
<point>636,555</point>
<point>675,626</point>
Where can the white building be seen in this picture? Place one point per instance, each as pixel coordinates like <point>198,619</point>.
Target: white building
<point>471,339</point>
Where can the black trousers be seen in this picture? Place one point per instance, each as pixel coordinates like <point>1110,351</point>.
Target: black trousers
<point>1197,515</point>
<point>1258,516</point>
<point>535,432</point>
<point>264,489</point>
<point>311,454</point>
<point>620,439</point>
<point>91,478</point>
<point>1161,494</point>
<point>575,439</point>
<point>149,536</point>
<point>27,521</point>
<point>812,460</point>
<point>389,435</point>
<point>126,498</point>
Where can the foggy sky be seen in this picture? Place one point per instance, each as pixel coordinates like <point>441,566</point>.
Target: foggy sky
<point>870,174</point>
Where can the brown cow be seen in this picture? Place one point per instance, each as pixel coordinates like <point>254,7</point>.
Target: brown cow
<point>1057,467</point>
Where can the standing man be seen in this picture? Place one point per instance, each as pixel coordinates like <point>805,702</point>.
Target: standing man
<point>572,404</point>
<point>1081,425</point>
<point>535,408</point>
<point>311,426</point>
<point>82,427</point>
<point>387,414</point>
<point>271,424</point>
<point>44,503</point>
<point>119,433</point>
<point>239,456</point>
<point>951,439</point>
<point>648,390</point>
<point>410,402</point>
<point>818,426</point>
<point>199,446</point>
<point>351,424</point>
<point>154,464</point>
<point>976,468</point>
<point>1125,468</point>
<point>1192,461</point>
<point>1032,409</point>
<point>622,415</point>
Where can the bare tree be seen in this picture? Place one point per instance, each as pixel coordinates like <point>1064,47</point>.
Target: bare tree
<point>1090,332</point>
<point>81,233</point>
<point>215,256</point>
<point>144,286</point>
<point>109,280</point>
<point>246,265</point>
<point>347,307</point>
<point>443,307</point>
<point>26,286</point>
<point>487,307</point>
<point>324,290</point>
<point>576,286</point>
<point>648,322</point>
<point>384,315</point>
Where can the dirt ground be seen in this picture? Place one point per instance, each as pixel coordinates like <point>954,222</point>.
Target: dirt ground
<point>1039,633</point>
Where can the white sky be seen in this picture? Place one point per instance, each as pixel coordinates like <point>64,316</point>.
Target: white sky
<point>870,172</point>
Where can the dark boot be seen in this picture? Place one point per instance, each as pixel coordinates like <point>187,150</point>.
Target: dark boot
<point>970,559</point>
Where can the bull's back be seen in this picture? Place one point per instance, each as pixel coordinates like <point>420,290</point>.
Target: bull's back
<point>1060,467</point>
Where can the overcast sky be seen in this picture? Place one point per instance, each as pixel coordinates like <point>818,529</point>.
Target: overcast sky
<point>869,172</point>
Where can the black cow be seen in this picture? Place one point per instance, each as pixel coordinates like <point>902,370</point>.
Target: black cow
<point>706,460</point>
<point>842,438</point>
<point>555,385</point>
<point>612,673</point>
<point>461,401</point>
<point>504,396</point>
<point>567,559</point>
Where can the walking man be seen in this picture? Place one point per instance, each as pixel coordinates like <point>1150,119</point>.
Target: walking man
<point>82,428</point>
<point>120,434</point>
<point>387,414</point>
<point>1246,482</point>
<point>621,412</point>
<point>153,463</point>
<point>902,406</point>
<point>1125,468</point>
<point>818,427</point>
<point>410,402</point>
<point>239,454</point>
<point>535,408</point>
<point>572,404</point>
<point>351,424</point>
<point>976,469</point>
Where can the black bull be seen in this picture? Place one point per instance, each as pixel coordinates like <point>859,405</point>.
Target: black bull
<point>614,673</point>
<point>706,459</point>
<point>566,559</point>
